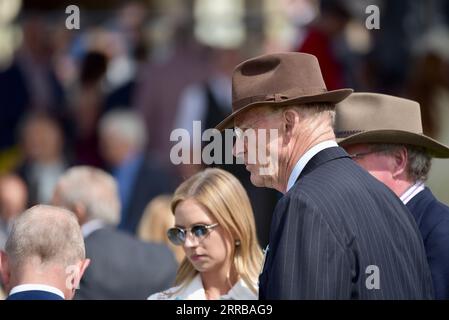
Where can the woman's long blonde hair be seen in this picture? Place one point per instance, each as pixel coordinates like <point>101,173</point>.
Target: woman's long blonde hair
<point>156,219</point>
<point>227,201</point>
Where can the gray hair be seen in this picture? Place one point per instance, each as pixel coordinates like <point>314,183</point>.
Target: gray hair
<point>419,161</point>
<point>49,234</point>
<point>323,112</point>
<point>93,188</point>
<point>125,124</point>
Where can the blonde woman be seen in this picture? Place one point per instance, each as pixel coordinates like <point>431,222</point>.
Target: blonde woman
<point>214,224</point>
<point>157,218</point>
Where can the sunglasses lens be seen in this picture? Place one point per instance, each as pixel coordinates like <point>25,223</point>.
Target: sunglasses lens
<point>176,236</point>
<point>199,231</point>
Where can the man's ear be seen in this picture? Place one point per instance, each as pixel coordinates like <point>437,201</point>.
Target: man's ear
<point>289,119</point>
<point>400,159</point>
<point>5,271</point>
<point>74,274</point>
<point>82,268</point>
<point>85,264</point>
<point>81,212</point>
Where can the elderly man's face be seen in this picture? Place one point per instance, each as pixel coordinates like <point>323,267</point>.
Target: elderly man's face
<point>113,148</point>
<point>42,140</point>
<point>377,164</point>
<point>260,154</point>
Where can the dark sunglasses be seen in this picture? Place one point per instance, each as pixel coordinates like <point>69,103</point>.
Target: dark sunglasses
<point>178,235</point>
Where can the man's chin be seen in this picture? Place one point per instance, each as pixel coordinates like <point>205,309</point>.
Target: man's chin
<point>257,180</point>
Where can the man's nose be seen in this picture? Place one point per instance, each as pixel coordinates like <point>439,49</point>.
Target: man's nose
<point>234,150</point>
<point>238,149</point>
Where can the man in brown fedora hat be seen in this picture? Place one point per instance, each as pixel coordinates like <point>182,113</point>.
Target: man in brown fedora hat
<point>337,233</point>
<point>384,135</point>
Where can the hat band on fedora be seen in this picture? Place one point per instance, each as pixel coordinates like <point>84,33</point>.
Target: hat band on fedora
<point>278,97</point>
<point>268,98</point>
<point>344,134</point>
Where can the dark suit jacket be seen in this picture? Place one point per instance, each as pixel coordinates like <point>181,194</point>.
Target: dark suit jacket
<point>16,100</point>
<point>336,222</point>
<point>123,267</point>
<point>151,180</point>
<point>432,218</point>
<point>34,295</point>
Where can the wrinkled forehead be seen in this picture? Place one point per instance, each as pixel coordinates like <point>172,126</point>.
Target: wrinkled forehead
<point>252,115</point>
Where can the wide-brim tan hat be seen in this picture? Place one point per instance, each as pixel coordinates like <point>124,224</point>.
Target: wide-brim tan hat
<point>378,118</point>
<point>279,79</point>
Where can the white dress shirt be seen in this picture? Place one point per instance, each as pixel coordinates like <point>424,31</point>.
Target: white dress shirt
<point>36,287</point>
<point>305,158</point>
<point>412,191</point>
<point>195,291</point>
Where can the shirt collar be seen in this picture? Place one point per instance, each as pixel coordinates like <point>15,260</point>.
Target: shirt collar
<point>305,158</point>
<point>412,191</point>
<point>89,227</point>
<point>195,291</point>
<point>36,287</point>
<point>240,291</point>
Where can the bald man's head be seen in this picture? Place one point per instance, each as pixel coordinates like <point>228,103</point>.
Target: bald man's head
<point>46,247</point>
<point>44,235</point>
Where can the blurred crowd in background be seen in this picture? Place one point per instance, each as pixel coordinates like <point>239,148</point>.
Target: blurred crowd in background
<point>109,94</point>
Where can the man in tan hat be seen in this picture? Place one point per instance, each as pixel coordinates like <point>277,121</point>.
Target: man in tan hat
<point>384,135</point>
<point>337,233</point>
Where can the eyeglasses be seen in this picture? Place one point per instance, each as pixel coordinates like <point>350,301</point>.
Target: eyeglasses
<point>362,154</point>
<point>179,235</point>
<point>240,132</point>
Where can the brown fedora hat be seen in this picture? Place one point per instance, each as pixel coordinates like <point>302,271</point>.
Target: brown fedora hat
<point>379,118</point>
<point>278,79</point>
